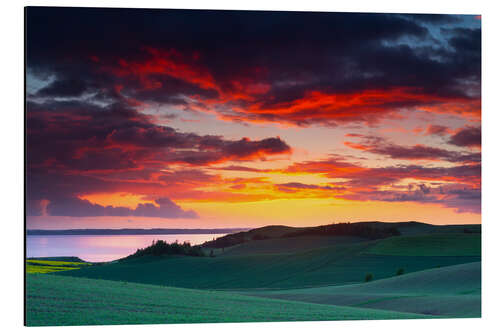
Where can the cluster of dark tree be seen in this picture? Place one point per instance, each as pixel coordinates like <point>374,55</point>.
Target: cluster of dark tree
<point>160,248</point>
<point>347,229</point>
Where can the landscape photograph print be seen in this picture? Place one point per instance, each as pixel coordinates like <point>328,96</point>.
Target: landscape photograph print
<point>207,166</point>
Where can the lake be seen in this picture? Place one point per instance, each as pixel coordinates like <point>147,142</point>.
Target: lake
<point>96,248</point>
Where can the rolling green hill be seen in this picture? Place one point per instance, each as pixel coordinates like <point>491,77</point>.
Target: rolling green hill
<point>59,300</point>
<point>343,263</point>
<point>287,245</point>
<point>419,228</point>
<point>367,231</point>
<point>453,291</point>
<point>436,244</point>
<point>304,277</point>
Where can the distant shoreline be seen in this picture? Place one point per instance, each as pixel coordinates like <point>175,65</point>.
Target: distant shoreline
<point>43,232</point>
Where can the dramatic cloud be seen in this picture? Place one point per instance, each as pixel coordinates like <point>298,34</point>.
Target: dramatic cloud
<point>164,208</point>
<point>462,200</point>
<point>102,149</point>
<point>63,88</point>
<point>380,146</point>
<point>292,187</point>
<point>120,137</point>
<point>467,137</point>
<point>186,106</point>
<point>462,191</point>
<point>241,168</point>
<point>312,68</point>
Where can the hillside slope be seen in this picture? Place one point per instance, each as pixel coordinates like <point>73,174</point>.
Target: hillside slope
<point>58,300</point>
<point>287,245</point>
<point>434,244</point>
<point>331,265</point>
<point>453,291</point>
<point>367,231</point>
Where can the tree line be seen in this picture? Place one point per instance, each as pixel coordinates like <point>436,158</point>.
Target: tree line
<point>160,248</point>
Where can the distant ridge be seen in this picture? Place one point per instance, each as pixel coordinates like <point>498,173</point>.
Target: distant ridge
<point>271,231</point>
<point>367,229</point>
<point>156,231</point>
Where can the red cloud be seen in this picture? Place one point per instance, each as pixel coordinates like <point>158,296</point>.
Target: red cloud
<point>456,187</point>
<point>104,149</point>
<point>165,62</point>
<point>366,106</point>
<point>158,64</point>
<point>359,176</point>
<point>249,94</point>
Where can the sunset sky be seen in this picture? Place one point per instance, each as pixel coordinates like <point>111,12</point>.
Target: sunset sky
<point>206,119</point>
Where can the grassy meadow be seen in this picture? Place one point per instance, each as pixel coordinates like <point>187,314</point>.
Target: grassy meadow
<point>62,300</point>
<point>50,265</point>
<point>426,274</point>
<point>451,291</point>
<point>452,244</point>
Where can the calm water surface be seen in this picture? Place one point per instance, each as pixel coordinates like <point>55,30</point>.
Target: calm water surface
<point>97,248</point>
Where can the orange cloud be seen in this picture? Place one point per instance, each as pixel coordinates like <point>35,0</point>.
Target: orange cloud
<point>367,105</point>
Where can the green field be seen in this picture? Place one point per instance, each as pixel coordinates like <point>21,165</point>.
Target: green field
<point>50,265</point>
<point>330,265</point>
<point>418,228</point>
<point>59,300</point>
<point>452,244</point>
<point>453,291</point>
<point>286,245</point>
<point>279,279</point>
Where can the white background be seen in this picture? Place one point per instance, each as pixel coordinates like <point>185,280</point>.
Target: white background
<point>11,163</point>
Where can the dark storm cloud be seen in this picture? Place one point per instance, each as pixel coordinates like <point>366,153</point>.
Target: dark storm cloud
<point>97,70</point>
<point>63,88</point>
<point>195,149</point>
<point>467,137</point>
<point>84,136</point>
<point>218,150</point>
<point>72,145</point>
<point>466,40</point>
<point>247,64</point>
<point>432,18</point>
